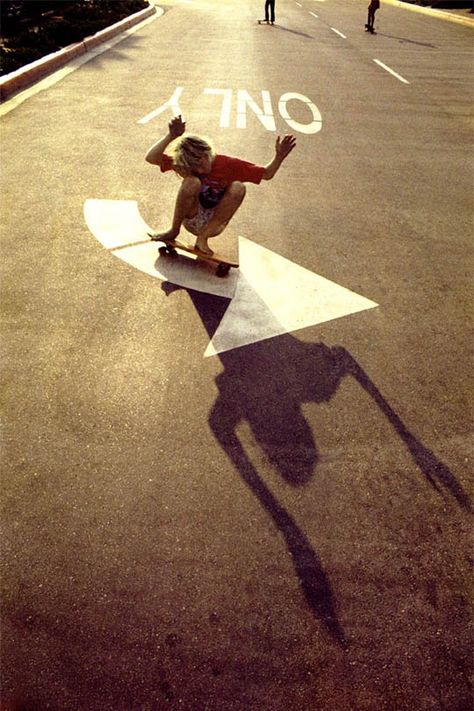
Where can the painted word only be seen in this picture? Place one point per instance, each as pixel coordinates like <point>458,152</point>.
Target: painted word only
<point>244,103</point>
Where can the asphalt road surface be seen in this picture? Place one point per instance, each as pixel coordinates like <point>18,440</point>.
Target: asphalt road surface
<point>253,503</point>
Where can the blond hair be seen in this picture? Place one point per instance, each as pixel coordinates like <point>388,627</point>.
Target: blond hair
<point>188,151</point>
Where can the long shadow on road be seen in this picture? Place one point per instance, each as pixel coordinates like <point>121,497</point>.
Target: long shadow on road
<point>265,385</point>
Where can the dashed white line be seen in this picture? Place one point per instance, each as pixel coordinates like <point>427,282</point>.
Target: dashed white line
<point>387,69</point>
<point>377,61</point>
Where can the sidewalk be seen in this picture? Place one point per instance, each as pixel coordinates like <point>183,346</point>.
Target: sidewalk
<point>24,77</point>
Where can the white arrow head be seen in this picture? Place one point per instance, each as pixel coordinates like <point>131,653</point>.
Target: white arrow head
<point>276,296</point>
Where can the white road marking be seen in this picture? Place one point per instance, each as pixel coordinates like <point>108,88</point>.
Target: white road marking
<point>245,102</point>
<point>117,224</point>
<point>226,104</point>
<point>313,127</point>
<point>172,103</point>
<point>184,270</point>
<point>276,296</point>
<point>338,33</point>
<point>270,294</point>
<point>384,66</point>
<point>313,14</point>
<point>265,115</point>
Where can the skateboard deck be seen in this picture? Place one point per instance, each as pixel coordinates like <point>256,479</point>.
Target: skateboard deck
<point>170,248</point>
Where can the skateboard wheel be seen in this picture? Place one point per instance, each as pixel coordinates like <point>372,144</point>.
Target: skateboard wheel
<point>222,270</point>
<point>167,250</point>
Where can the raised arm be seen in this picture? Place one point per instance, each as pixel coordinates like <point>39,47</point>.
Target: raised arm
<point>176,127</point>
<point>283,149</point>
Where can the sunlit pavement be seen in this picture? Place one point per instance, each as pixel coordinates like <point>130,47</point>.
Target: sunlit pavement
<point>255,499</point>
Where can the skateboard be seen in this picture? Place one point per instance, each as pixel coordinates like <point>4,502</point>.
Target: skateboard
<point>170,248</point>
<point>265,22</point>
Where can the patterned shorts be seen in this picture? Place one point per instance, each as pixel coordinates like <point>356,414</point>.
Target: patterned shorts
<point>199,222</point>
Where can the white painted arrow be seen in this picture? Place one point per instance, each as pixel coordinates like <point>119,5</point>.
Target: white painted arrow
<point>118,225</point>
<point>270,294</point>
<point>276,296</point>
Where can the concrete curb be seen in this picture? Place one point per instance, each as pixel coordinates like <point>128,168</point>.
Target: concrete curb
<point>440,14</point>
<point>31,73</point>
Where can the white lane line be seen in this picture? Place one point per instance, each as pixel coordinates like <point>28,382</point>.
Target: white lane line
<point>338,33</point>
<point>312,13</point>
<point>299,4</point>
<point>384,66</point>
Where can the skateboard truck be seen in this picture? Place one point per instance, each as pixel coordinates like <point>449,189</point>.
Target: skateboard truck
<point>170,248</point>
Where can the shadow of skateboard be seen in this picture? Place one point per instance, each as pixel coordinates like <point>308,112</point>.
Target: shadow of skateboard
<point>171,247</point>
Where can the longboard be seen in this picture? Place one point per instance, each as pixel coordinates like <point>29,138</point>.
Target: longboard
<point>170,248</point>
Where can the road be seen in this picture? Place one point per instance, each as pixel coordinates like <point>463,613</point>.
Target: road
<point>253,503</point>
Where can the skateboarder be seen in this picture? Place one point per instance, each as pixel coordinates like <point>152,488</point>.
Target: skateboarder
<point>270,11</point>
<point>213,185</point>
<point>373,6</point>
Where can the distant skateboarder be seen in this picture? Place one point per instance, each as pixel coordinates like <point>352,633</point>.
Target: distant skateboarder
<point>373,7</point>
<point>270,11</point>
<point>213,185</point>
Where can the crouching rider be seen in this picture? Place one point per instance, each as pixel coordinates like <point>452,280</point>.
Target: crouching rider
<point>212,188</point>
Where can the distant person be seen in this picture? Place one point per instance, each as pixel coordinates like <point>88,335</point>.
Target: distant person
<point>373,7</point>
<point>270,12</point>
<point>213,185</point>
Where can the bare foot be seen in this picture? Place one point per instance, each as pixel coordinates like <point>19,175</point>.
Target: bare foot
<point>202,246</point>
<point>168,236</point>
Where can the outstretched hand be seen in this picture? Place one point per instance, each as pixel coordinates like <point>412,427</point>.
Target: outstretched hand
<point>177,126</point>
<point>284,147</point>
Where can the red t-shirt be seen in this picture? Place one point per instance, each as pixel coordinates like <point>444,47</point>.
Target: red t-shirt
<point>225,169</point>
